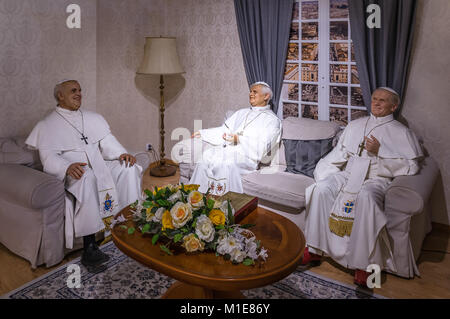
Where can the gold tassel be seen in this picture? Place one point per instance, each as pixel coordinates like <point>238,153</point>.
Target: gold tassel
<point>340,227</point>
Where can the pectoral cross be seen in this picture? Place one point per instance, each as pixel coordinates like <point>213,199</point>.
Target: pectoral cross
<point>360,148</point>
<point>84,138</point>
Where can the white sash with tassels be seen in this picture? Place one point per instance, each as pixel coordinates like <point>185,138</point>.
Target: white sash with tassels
<point>343,210</point>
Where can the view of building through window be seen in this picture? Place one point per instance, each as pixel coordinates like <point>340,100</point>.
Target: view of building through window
<point>321,79</point>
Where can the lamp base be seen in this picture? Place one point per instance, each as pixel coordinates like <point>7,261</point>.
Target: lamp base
<point>163,170</point>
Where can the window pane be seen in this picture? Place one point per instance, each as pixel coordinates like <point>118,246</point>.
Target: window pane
<point>310,72</point>
<point>338,30</point>
<point>353,53</point>
<point>355,76</point>
<point>309,92</point>
<point>310,51</point>
<point>294,31</point>
<point>310,31</point>
<point>289,91</point>
<point>338,9</point>
<point>338,73</point>
<point>295,13</point>
<point>356,114</point>
<point>338,95</point>
<point>357,97</point>
<point>290,109</point>
<point>292,51</point>
<point>310,111</point>
<point>339,115</point>
<point>291,71</point>
<point>310,10</point>
<point>338,52</point>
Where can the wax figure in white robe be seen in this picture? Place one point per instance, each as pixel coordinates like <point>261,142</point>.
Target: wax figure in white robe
<point>345,207</point>
<point>221,166</point>
<point>105,187</point>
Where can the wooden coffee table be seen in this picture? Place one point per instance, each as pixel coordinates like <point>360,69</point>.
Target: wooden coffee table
<point>205,275</point>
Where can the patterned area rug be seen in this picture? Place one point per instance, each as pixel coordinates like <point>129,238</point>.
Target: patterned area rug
<point>125,278</point>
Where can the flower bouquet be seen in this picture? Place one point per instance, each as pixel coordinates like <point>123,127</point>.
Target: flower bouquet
<point>181,216</point>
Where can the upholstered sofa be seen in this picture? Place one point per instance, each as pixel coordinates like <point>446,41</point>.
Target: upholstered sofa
<point>407,204</point>
<point>32,205</point>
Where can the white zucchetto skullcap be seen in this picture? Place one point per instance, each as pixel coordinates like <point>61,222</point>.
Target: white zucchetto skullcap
<point>64,81</point>
<point>389,89</point>
<point>261,83</point>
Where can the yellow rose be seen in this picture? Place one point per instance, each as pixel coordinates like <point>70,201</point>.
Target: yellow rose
<point>167,221</point>
<point>195,198</point>
<point>217,217</point>
<point>192,243</point>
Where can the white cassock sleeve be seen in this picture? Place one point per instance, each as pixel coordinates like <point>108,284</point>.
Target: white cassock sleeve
<point>333,162</point>
<point>214,135</point>
<point>111,148</point>
<point>54,164</point>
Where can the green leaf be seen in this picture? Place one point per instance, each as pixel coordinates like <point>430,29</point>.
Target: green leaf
<point>210,203</point>
<point>247,225</point>
<point>248,262</point>
<point>147,204</point>
<point>177,238</point>
<point>131,230</point>
<point>155,238</point>
<point>219,227</point>
<point>166,250</point>
<point>184,230</point>
<point>146,228</point>
<point>163,202</point>
<point>123,227</point>
<point>230,214</point>
<point>148,193</point>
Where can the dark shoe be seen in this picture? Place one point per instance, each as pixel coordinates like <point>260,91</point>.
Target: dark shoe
<point>93,256</point>
<point>310,258</point>
<point>361,278</point>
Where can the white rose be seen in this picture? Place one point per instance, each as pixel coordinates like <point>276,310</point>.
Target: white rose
<point>237,255</point>
<point>181,213</point>
<point>227,244</point>
<point>158,214</point>
<point>204,228</point>
<point>175,197</point>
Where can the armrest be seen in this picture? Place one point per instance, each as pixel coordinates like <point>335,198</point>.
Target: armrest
<point>408,194</point>
<point>29,187</point>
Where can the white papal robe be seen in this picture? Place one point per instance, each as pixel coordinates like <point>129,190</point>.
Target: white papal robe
<point>221,166</point>
<point>105,187</point>
<point>368,243</point>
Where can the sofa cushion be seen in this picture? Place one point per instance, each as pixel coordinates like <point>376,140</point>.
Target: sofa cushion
<point>296,128</point>
<point>275,185</point>
<point>305,142</point>
<point>302,156</point>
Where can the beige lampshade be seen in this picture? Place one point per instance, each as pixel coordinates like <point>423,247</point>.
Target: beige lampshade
<point>160,57</point>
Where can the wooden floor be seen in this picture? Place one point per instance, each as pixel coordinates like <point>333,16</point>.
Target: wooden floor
<point>434,264</point>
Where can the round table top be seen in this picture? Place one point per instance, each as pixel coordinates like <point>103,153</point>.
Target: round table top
<point>281,237</point>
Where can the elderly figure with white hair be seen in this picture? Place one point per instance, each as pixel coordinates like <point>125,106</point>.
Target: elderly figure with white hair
<point>345,207</point>
<point>100,176</point>
<point>238,145</point>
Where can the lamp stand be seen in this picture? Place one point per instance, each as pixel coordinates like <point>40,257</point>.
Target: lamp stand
<point>162,169</point>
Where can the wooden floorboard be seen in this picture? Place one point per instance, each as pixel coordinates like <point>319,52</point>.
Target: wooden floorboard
<point>434,264</point>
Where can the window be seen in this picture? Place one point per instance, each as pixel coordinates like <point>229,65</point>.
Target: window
<point>321,79</point>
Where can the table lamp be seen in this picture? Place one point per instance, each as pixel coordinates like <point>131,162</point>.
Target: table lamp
<point>161,57</point>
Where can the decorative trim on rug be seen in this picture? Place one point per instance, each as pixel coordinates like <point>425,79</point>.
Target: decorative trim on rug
<point>124,278</point>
